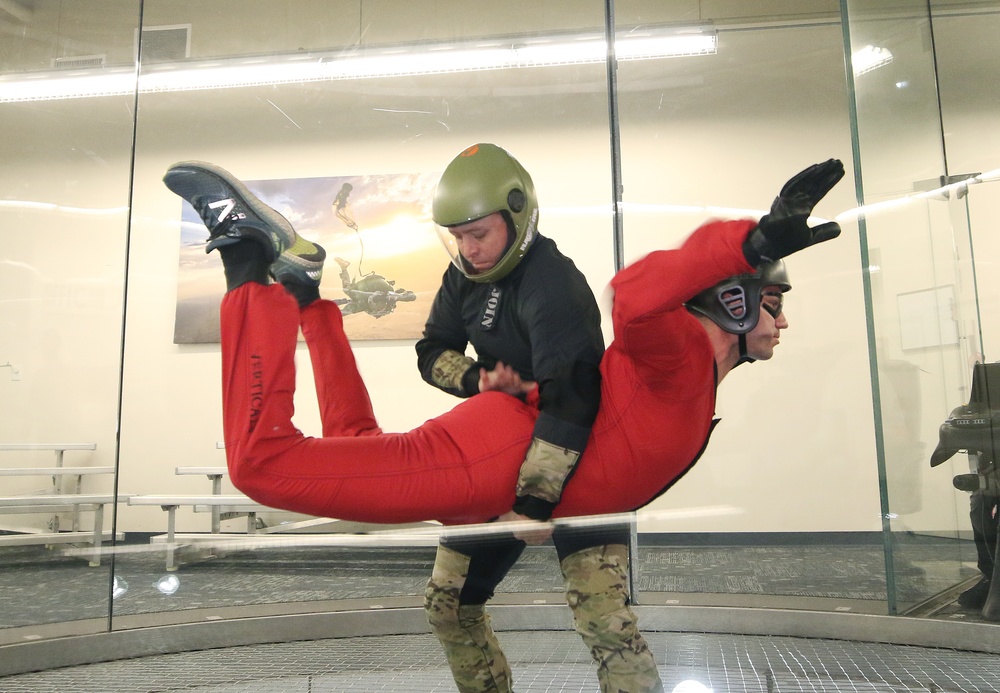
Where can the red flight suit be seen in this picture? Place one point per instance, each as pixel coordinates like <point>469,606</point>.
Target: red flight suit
<point>657,407</point>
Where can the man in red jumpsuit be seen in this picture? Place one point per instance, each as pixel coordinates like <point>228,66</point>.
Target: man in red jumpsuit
<point>682,320</point>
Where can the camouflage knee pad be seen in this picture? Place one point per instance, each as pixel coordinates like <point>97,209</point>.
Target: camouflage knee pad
<point>597,592</point>
<point>477,662</point>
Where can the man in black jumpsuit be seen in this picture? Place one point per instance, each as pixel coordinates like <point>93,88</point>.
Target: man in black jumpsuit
<point>535,326</point>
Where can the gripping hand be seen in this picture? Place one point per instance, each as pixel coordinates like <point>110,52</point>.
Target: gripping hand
<point>784,230</point>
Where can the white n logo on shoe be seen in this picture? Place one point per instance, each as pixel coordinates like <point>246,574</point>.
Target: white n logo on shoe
<point>227,206</point>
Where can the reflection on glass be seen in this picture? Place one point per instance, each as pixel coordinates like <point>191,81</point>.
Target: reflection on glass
<point>869,58</point>
<point>691,151</point>
<point>361,63</point>
<point>168,584</point>
<point>923,307</point>
<point>64,214</point>
<point>118,587</point>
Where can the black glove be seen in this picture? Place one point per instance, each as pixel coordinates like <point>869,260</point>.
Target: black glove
<point>784,230</point>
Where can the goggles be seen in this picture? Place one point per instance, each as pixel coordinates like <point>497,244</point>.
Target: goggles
<point>773,302</point>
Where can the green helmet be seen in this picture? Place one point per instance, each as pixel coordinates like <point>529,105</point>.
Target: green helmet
<point>484,179</point>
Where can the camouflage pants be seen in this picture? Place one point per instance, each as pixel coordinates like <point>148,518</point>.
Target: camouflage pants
<point>597,592</point>
<point>477,662</point>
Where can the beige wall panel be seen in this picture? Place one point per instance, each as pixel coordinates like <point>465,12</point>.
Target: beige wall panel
<point>248,27</point>
<point>390,21</point>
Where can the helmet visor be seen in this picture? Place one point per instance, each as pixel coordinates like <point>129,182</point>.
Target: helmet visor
<point>773,302</point>
<point>480,249</point>
<point>451,247</point>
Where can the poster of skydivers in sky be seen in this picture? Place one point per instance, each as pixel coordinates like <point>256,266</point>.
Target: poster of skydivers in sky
<point>384,260</point>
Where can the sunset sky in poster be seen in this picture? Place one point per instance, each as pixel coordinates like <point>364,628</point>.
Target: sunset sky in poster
<point>395,238</point>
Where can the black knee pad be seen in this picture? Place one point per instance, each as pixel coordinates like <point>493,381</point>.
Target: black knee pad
<point>569,539</point>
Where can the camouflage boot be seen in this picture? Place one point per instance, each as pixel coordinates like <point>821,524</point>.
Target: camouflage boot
<point>477,662</point>
<point>597,592</point>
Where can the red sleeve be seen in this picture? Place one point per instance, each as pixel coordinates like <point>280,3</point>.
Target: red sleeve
<point>649,290</point>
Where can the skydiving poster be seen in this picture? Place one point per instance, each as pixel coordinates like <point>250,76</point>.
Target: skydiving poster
<point>384,260</point>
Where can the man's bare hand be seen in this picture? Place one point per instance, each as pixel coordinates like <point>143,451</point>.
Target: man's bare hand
<point>530,536</point>
<point>503,378</point>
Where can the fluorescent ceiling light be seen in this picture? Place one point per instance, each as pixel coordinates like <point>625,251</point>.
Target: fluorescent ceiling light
<point>360,64</point>
<point>870,58</point>
<point>942,192</point>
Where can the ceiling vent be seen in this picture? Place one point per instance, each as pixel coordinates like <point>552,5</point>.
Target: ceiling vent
<point>164,44</point>
<point>76,62</point>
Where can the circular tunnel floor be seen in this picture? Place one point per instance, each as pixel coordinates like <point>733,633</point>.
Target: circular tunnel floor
<point>542,661</point>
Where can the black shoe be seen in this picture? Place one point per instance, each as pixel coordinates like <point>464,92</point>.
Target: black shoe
<point>975,596</point>
<point>230,211</point>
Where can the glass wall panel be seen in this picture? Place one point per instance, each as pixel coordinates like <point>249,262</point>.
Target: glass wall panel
<point>791,468</point>
<point>965,61</point>
<point>65,165</point>
<point>237,87</point>
<point>923,305</point>
<point>341,114</point>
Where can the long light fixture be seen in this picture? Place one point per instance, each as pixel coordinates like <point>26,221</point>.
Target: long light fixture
<point>400,61</point>
<point>869,58</point>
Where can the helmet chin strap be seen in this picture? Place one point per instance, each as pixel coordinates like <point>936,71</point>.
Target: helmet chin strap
<point>744,356</point>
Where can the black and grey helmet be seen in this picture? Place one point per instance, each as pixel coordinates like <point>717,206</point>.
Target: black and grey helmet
<point>734,303</point>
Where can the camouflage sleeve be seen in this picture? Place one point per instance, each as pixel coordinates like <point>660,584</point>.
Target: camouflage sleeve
<point>568,404</point>
<point>545,471</point>
<point>450,368</point>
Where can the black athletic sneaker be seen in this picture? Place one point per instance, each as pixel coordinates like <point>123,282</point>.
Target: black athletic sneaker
<point>230,211</point>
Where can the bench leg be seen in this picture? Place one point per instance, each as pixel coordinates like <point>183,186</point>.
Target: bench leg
<point>76,511</point>
<point>171,546</point>
<point>216,511</point>
<point>98,535</point>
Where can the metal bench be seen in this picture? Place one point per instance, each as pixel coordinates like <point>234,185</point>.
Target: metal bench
<point>75,502</point>
<point>222,507</point>
<point>62,498</point>
<point>217,503</point>
<point>214,475</point>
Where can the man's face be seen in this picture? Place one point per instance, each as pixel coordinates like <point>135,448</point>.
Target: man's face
<point>482,242</point>
<point>762,339</point>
